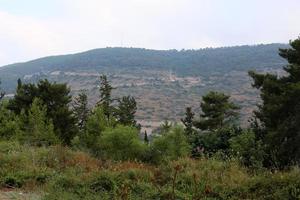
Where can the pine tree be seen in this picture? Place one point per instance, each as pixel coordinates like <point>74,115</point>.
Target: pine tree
<point>278,115</point>
<point>56,97</point>
<point>217,111</point>
<point>105,96</point>
<point>80,110</point>
<point>2,93</point>
<point>126,111</point>
<point>188,121</point>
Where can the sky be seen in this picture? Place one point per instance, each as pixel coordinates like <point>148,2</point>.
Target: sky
<point>31,29</point>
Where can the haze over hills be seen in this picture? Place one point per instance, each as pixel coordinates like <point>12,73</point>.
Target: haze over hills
<point>164,82</point>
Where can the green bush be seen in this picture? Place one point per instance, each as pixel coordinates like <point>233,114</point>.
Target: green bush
<point>121,143</point>
<point>96,123</point>
<point>247,149</point>
<point>103,183</point>
<point>37,129</point>
<point>169,146</point>
<point>9,123</point>
<point>211,142</point>
<point>10,146</point>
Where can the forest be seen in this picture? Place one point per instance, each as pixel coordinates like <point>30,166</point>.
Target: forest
<point>54,146</point>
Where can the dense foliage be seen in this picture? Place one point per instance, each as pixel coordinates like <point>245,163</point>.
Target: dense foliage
<point>279,113</point>
<point>56,98</point>
<point>101,152</point>
<point>2,93</point>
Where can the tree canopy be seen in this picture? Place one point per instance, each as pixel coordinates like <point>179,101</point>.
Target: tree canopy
<point>279,113</point>
<point>56,97</point>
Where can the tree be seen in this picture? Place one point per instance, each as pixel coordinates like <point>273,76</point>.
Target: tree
<point>146,140</point>
<point>188,121</point>
<point>279,113</point>
<point>126,110</point>
<point>37,129</point>
<point>105,96</point>
<point>80,110</point>
<point>2,93</point>
<point>165,127</point>
<point>56,97</point>
<point>217,111</point>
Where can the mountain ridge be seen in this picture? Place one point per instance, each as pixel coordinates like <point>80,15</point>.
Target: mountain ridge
<point>140,48</point>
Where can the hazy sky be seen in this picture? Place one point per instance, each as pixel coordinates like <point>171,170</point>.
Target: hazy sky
<point>33,28</point>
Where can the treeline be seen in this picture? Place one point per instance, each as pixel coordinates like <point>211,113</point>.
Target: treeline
<point>44,114</point>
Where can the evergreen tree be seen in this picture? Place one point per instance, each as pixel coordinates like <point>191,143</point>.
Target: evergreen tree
<point>38,130</point>
<point>105,96</point>
<point>2,93</point>
<point>165,127</point>
<point>56,97</point>
<point>146,140</point>
<point>278,115</point>
<point>126,110</point>
<point>217,111</point>
<point>80,110</point>
<point>188,121</point>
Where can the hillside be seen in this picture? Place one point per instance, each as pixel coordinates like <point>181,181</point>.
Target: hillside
<point>163,82</point>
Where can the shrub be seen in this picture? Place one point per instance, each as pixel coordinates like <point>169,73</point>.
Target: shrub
<point>249,151</point>
<point>211,142</point>
<point>103,183</point>
<point>9,123</point>
<point>97,122</point>
<point>169,146</point>
<point>121,143</point>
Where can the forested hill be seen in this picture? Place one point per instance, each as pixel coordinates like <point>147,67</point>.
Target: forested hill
<point>183,63</point>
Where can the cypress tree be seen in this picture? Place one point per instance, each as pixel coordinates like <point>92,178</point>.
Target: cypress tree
<point>146,140</point>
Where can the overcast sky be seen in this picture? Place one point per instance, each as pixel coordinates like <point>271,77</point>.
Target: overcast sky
<point>34,28</point>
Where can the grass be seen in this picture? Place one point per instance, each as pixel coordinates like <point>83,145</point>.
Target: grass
<point>61,173</point>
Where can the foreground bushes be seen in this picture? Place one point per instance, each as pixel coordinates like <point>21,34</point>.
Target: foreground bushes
<point>121,143</point>
<point>60,173</point>
<point>169,146</point>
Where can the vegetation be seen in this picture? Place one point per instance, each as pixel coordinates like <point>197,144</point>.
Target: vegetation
<point>55,152</point>
<point>162,82</point>
<point>81,110</point>
<point>1,92</point>
<point>57,173</point>
<point>185,62</point>
<point>279,114</point>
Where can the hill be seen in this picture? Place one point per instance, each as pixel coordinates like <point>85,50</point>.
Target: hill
<point>163,81</point>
